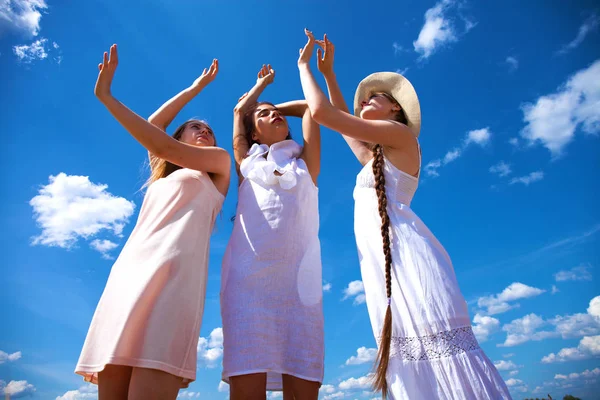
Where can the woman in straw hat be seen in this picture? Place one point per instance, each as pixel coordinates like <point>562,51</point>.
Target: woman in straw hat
<point>427,349</point>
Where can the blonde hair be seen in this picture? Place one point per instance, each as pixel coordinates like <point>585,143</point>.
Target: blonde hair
<point>160,168</point>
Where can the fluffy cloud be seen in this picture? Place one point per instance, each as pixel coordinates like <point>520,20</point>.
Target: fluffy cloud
<point>363,355</point>
<point>211,349</point>
<point>500,303</point>
<point>504,365</point>
<point>484,326</point>
<point>364,382</point>
<point>188,395</point>
<point>71,207</point>
<point>16,389</point>
<point>223,387</point>
<point>440,28</point>
<point>356,290</point>
<point>87,392</point>
<point>589,347</point>
<point>553,119</point>
<point>512,63</point>
<point>534,327</point>
<point>21,16</point>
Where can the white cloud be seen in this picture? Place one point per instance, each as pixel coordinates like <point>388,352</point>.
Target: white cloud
<point>87,392</point>
<point>326,287</point>
<point>71,207</point>
<point>502,169</point>
<point>508,355</point>
<point>438,30</point>
<point>4,357</point>
<point>274,395</point>
<point>29,52</point>
<point>580,273</point>
<point>504,365</point>
<point>528,328</point>
<point>589,347</point>
<point>104,247</point>
<point>484,326</point>
<point>514,372</point>
<point>513,382</point>
<point>327,389</point>
<point>355,289</point>
<point>480,137</point>
<point>402,71</point>
<point>528,179</point>
<point>512,63</point>
<point>21,16</point>
<point>336,395</point>
<point>16,388</point>
<point>587,374</point>
<point>223,387</point>
<point>211,349</point>
<point>499,303</point>
<point>188,395</point>
<point>553,119</point>
<point>554,289</point>
<point>364,382</point>
<point>363,355</point>
<point>525,329</point>
<point>397,48</point>
<point>589,25</point>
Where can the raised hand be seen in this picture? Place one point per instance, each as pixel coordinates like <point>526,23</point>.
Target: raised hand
<point>266,75</point>
<point>107,69</point>
<point>325,54</point>
<point>207,75</point>
<point>306,51</point>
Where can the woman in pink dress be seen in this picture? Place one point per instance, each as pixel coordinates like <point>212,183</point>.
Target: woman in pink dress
<point>142,341</point>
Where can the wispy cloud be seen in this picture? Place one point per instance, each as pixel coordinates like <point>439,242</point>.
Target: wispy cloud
<point>502,169</point>
<point>71,207</point>
<point>480,137</point>
<point>512,63</point>
<point>103,247</point>
<point>589,25</point>
<point>87,392</point>
<point>5,357</point>
<point>553,119</point>
<point>580,273</point>
<point>528,179</point>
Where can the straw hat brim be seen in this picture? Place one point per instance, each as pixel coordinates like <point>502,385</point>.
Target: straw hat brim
<point>396,85</point>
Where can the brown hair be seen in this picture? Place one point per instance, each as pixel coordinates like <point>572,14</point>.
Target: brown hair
<point>383,354</point>
<point>250,126</point>
<point>162,168</point>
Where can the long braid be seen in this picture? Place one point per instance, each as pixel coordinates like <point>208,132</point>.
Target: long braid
<point>383,354</point>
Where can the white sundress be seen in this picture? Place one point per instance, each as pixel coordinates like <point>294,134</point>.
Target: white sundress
<point>434,353</point>
<point>271,284</point>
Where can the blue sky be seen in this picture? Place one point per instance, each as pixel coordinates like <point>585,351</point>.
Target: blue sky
<point>510,96</point>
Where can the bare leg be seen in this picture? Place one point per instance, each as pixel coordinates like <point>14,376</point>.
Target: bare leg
<point>151,384</point>
<point>301,389</point>
<point>113,382</point>
<point>248,387</point>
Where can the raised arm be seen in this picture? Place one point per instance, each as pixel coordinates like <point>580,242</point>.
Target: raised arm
<point>325,56</point>
<point>163,117</point>
<point>265,77</point>
<point>386,133</point>
<point>209,159</point>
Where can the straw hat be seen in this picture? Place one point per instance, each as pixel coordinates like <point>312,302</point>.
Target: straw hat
<point>396,85</point>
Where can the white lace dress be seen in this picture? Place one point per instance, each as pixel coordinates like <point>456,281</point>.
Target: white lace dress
<point>271,285</point>
<point>434,353</point>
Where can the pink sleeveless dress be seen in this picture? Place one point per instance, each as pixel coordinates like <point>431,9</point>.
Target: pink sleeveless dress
<point>150,313</point>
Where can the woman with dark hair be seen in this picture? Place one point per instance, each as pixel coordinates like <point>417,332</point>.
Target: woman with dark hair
<point>142,340</point>
<point>271,285</point>
<point>427,349</point>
